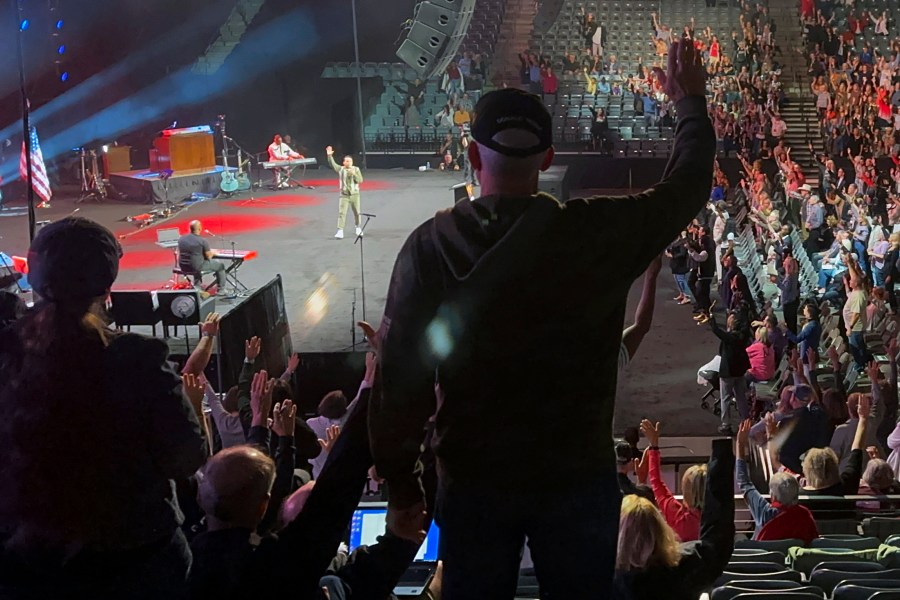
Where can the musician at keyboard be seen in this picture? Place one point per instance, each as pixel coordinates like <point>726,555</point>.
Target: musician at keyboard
<point>279,150</point>
<point>195,256</point>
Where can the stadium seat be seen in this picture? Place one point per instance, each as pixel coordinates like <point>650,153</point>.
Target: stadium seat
<point>805,560</point>
<point>771,575</point>
<point>850,542</point>
<point>728,592</point>
<point>775,545</point>
<point>865,589</point>
<point>753,555</point>
<point>788,595</point>
<point>828,579</point>
<point>883,528</point>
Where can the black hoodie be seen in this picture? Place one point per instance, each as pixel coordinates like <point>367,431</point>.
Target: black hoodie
<point>518,305</point>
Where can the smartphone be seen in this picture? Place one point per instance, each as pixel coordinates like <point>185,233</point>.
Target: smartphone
<point>416,578</point>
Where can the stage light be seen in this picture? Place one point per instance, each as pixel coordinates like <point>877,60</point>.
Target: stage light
<point>64,77</point>
<point>24,24</point>
<point>59,24</point>
<point>61,49</point>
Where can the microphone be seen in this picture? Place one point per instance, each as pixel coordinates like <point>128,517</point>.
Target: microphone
<point>368,215</point>
<point>208,232</point>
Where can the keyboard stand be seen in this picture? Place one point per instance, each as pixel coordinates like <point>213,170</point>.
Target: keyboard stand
<point>238,289</point>
<point>292,181</point>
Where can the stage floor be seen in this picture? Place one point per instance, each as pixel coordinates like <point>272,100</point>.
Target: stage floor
<point>292,232</point>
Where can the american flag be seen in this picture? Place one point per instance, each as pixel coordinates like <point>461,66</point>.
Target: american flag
<point>38,170</point>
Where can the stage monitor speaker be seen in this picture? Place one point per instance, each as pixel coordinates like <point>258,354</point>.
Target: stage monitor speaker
<point>438,29</point>
<point>463,191</point>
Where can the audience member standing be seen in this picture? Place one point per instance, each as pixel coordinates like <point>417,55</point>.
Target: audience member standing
<point>95,427</point>
<point>463,285</point>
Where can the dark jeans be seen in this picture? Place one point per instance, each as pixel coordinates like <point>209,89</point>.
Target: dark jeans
<point>700,289</point>
<point>572,533</point>
<point>790,315</point>
<point>859,350</point>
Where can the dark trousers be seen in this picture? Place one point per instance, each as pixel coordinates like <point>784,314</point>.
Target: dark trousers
<point>790,314</point>
<point>572,534</point>
<point>217,267</point>
<point>859,350</point>
<point>700,288</point>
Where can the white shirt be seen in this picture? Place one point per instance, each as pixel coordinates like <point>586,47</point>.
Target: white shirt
<point>281,152</point>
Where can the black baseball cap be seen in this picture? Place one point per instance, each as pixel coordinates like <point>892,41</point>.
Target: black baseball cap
<point>73,259</point>
<point>510,108</point>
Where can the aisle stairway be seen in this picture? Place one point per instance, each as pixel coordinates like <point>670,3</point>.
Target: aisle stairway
<point>800,113</point>
<point>514,35</point>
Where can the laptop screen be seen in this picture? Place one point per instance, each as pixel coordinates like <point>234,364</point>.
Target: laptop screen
<point>369,522</point>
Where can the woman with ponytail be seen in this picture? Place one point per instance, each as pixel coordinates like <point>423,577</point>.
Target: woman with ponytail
<point>94,429</point>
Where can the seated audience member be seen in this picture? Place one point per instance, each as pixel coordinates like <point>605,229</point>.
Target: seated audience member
<point>95,427</point>
<point>844,434</point>
<point>333,411</point>
<point>782,517</point>
<point>626,464</point>
<point>879,479</point>
<point>682,515</point>
<point>651,564</point>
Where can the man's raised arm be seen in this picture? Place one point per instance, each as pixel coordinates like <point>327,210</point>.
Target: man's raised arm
<point>661,212</point>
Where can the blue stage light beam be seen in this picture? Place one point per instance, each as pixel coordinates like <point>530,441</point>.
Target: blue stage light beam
<point>270,47</point>
<point>87,92</point>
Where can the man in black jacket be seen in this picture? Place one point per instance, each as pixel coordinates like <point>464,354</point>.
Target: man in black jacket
<point>703,260</point>
<point>518,302</point>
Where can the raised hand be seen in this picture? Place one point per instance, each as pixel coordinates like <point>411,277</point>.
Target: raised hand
<point>210,325</point>
<point>742,440</point>
<point>371,335</point>
<point>252,348</point>
<point>686,74</point>
<point>261,397</point>
<point>293,362</point>
<point>865,406</point>
<point>283,421</point>
<point>873,371</point>
<point>873,452</point>
<point>329,151</point>
<point>194,389</point>
<point>331,435</point>
<point>771,425</point>
<point>650,431</point>
<point>407,523</point>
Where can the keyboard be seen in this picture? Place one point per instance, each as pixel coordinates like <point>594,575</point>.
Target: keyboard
<point>294,162</point>
<point>237,255</point>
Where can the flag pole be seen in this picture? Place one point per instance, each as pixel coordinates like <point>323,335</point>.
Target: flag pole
<point>26,118</point>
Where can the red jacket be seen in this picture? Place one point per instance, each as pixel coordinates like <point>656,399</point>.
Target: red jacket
<point>792,522</point>
<point>685,521</point>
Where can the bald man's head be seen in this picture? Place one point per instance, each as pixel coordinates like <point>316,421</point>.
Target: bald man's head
<point>195,226</point>
<point>235,487</point>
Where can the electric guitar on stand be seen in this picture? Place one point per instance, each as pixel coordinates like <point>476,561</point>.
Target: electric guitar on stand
<point>229,183</point>
<point>243,178</point>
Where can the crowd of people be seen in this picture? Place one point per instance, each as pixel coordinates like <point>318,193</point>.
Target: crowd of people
<point>125,478</point>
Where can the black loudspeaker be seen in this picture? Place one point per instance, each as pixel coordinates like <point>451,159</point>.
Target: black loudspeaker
<point>437,31</point>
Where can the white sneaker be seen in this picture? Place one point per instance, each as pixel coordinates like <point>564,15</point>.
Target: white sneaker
<point>340,234</point>
<point>359,231</point>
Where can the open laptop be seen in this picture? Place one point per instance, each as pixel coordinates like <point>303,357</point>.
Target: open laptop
<point>368,523</point>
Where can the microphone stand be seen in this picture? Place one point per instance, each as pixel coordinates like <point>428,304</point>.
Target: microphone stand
<point>362,265</point>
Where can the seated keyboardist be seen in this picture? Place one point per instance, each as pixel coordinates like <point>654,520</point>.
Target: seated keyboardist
<point>278,150</point>
<point>195,256</point>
